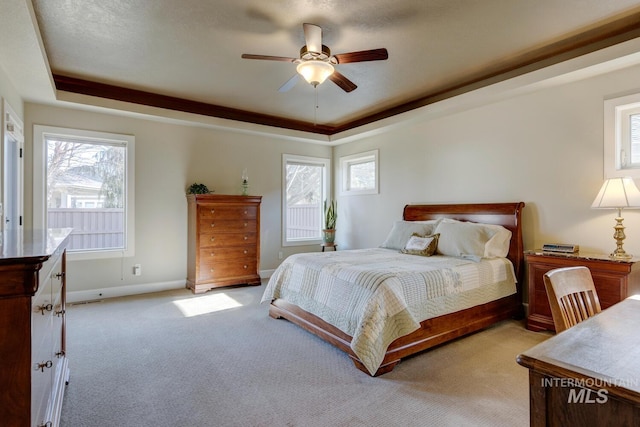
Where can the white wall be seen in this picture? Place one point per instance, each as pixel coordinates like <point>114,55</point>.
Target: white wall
<point>169,158</point>
<point>544,148</point>
<point>10,94</point>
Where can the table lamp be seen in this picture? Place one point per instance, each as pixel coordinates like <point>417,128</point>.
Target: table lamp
<point>618,193</point>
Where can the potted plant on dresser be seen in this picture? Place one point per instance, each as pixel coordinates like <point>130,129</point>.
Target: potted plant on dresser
<point>330,218</point>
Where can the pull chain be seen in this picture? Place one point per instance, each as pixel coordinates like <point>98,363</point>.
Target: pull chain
<point>315,109</point>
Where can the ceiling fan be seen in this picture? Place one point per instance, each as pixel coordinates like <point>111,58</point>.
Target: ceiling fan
<point>316,64</point>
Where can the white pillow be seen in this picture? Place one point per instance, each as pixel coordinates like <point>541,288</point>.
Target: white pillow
<point>463,238</point>
<point>498,245</point>
<point>496,239</point>
<point>403,230</point>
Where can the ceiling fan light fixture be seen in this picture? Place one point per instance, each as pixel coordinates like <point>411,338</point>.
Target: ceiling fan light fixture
<point>314,71</point>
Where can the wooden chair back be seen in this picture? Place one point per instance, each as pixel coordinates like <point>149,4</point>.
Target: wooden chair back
<point>572,296</point>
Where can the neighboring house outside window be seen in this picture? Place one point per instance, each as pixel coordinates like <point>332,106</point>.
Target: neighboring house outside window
<point>85,181</point>
<point>305,189</point>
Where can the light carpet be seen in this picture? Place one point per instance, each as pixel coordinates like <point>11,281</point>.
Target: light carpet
<point>217,359</point>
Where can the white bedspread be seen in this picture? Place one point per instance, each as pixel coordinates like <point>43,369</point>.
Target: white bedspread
<point>377,295</point>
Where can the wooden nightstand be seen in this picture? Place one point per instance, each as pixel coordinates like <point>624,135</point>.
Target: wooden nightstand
<point>614,281</point>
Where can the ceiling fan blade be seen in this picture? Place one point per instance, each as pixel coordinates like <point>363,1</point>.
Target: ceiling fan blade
<point>344,83</point>
<point>362,56</point>
<point>289,83</point>
<point>269,58</point>
<point>313,37</point>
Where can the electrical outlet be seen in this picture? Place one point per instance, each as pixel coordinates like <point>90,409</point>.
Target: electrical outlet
<point>137,270</point>
<point>280,255</point>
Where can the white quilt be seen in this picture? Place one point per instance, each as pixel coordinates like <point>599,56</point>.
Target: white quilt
<point>377,295</point>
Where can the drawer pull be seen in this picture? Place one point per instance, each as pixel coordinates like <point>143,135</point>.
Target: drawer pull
<point>246,212</point>
<point>212,254</point>
<point>246,251</point>
<point>245,224</point>
<point>59,275</point>
<point>47,424</point>
<point>60,313</point>
<point>213,224</point>
<point>43,365</point>
<point>211,270</point>
<point>245,237</point>
<point>60,354</point>
<point>213,238</point>
<point>245,267</point>
<point>43,308</point>
<point>213,210</point>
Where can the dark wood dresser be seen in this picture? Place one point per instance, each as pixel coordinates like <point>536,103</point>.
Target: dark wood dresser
<point>614,281</point>
<point>224,241</point>
<point>32,326</point>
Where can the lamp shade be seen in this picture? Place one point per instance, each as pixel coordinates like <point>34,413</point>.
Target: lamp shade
<point>617,193</point>
<point>315,71</point>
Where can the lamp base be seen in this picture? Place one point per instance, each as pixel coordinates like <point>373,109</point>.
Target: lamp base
<point>620,255</point>
<point>619,236</point>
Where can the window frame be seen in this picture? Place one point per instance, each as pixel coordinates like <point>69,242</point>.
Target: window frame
<point>616,135</point>
<point>39,185</point>
<point>321,161</point>
<point>345,172</point>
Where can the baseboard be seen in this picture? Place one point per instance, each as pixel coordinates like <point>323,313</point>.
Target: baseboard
<point>144,288</point>
<point>121,291</point>
<point>265,274</point>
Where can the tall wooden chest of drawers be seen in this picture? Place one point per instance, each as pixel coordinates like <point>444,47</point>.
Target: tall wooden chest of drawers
<point>224,241</point>
<point>32,327</point>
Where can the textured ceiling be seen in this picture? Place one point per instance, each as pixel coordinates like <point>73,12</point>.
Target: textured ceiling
<point>191,49</point>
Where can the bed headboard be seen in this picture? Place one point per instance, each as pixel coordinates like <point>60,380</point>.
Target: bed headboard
<point>507,215</point>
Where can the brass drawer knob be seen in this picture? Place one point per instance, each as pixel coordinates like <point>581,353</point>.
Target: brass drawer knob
<point>43,308</point>
<point>42,365</point>
<point>245,267</point>
<point>213,224</point>
<point>245,237</point>
<point>246,251</point>
<point>213,238</point>
<point>213,210</point>
<point>245,224</point>
<point>212,254</point>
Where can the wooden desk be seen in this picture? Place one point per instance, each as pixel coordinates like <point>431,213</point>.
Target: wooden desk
<point>588,375</point>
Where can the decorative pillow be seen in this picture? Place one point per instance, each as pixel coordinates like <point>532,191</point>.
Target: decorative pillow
<point>421,245</point>
<point>459,238</point>
<point>402,230</point>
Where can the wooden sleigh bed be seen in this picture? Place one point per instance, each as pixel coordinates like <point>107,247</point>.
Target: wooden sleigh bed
<point>436,330</point>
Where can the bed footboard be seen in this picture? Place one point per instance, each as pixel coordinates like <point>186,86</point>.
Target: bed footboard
<point>432,332</point>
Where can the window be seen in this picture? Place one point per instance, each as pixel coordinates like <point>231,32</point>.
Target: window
<point>305,188</point>
<point>359,173</point>
<point>84,180</point>
<point>622,137</point>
